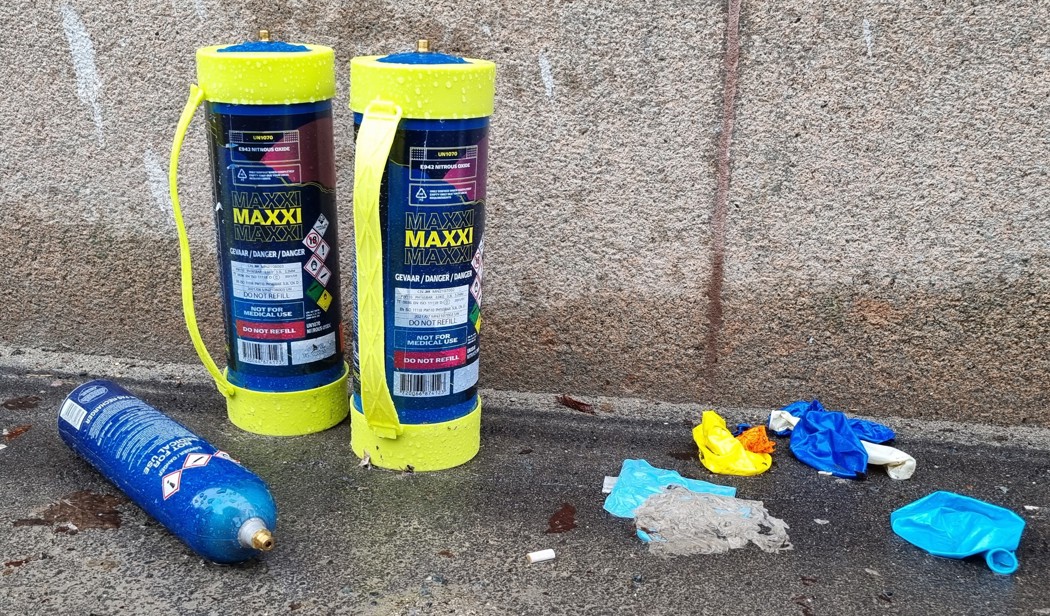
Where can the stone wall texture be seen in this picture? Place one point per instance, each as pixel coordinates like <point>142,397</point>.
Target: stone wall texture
<point>884,243</point>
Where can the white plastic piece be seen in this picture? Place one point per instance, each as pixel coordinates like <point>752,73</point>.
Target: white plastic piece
<point>540,556</point>
<point>782,420</point>
<point>1031,508</point>
<point>825,473</point>
<point>609,484</point>
<point>821,522</point>
<point>899,465</point>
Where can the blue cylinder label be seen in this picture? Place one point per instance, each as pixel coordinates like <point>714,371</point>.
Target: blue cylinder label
<point>433,206</point>
<point>275,215</point>
<point>125,437</point>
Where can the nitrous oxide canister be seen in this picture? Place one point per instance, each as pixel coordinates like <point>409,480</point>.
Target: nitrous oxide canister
<point>201,494</point>
<point>269,125</point>
<point>422,121</point>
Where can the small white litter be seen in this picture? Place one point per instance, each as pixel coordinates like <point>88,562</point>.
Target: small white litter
<point>540,556</point>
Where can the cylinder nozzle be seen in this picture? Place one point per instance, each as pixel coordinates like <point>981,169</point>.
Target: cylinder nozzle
<point>423,46</point>
<point>264,36</point>
<point>262,540</point>
<point>254,534</point>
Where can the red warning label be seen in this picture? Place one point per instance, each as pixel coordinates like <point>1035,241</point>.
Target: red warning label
<point>430,359</point>
<point>271,331</point>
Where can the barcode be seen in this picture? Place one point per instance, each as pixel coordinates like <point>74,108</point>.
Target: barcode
<point>263,353</point>
<point>73,413</point>
<point>424,385</point>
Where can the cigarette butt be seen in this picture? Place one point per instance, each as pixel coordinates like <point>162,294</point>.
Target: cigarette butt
<point>538,557</point>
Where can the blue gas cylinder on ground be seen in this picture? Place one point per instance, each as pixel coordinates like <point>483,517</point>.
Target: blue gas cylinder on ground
<point>223,511</point>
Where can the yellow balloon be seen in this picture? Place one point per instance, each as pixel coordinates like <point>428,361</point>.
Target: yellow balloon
<point>722,453</point>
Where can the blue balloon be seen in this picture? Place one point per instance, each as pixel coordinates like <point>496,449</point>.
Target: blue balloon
<point>865,430</point>
<point>639,480</point>
<point>871,431</point>
<point>826,441</point>
<point>955,526</point>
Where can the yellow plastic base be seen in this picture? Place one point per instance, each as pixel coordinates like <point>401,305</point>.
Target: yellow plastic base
<point>291,413</point>
<point>424,447</point>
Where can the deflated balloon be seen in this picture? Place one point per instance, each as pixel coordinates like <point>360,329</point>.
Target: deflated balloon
<point>826,442</point>
<point>755,439</point>
<point>864,429</point>
<point>722,453</point>
<point>955,526</point>
<point>639,480</point>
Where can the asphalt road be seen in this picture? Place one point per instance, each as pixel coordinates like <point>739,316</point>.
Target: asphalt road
<point>353,540</point>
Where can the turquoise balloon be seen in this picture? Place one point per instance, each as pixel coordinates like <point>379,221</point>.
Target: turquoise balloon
<point>955,526</point>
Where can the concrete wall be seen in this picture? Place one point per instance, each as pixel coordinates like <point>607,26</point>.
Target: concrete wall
<point>886,232</point>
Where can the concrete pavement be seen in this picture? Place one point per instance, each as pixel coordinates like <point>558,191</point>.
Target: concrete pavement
<point>358,541</point>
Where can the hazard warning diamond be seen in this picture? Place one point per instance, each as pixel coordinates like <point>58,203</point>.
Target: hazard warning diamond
<point>322,250</point>
<point>225,456</point>
<point>315,290</point>
<point>314,266</point>
<point>313,240</point>
<point>324,301</point>
<point>196,460</point>
<point>477,261</point>
<point>170,483</point>
<point>318,270</point>
<point>475,290</point>
<point>321,225</point>
<point>324,275</point>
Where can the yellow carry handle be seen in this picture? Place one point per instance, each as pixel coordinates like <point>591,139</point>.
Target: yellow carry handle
<point>374,140</point>
<point>196,97</point>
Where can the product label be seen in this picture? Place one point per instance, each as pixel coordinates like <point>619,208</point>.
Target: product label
<point>140,439</point>
<point>156,461</point>
<point>275,217</point>
<point>433,208</point>
<point>430,308</point>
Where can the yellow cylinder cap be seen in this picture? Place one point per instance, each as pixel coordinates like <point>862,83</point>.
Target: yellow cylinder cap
<point>424,84</point>
<point>266,73</point>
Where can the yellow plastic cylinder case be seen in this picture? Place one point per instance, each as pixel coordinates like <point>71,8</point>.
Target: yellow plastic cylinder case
<point>263,73</point>
<point>266,78</point>
<point>403,92</point>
